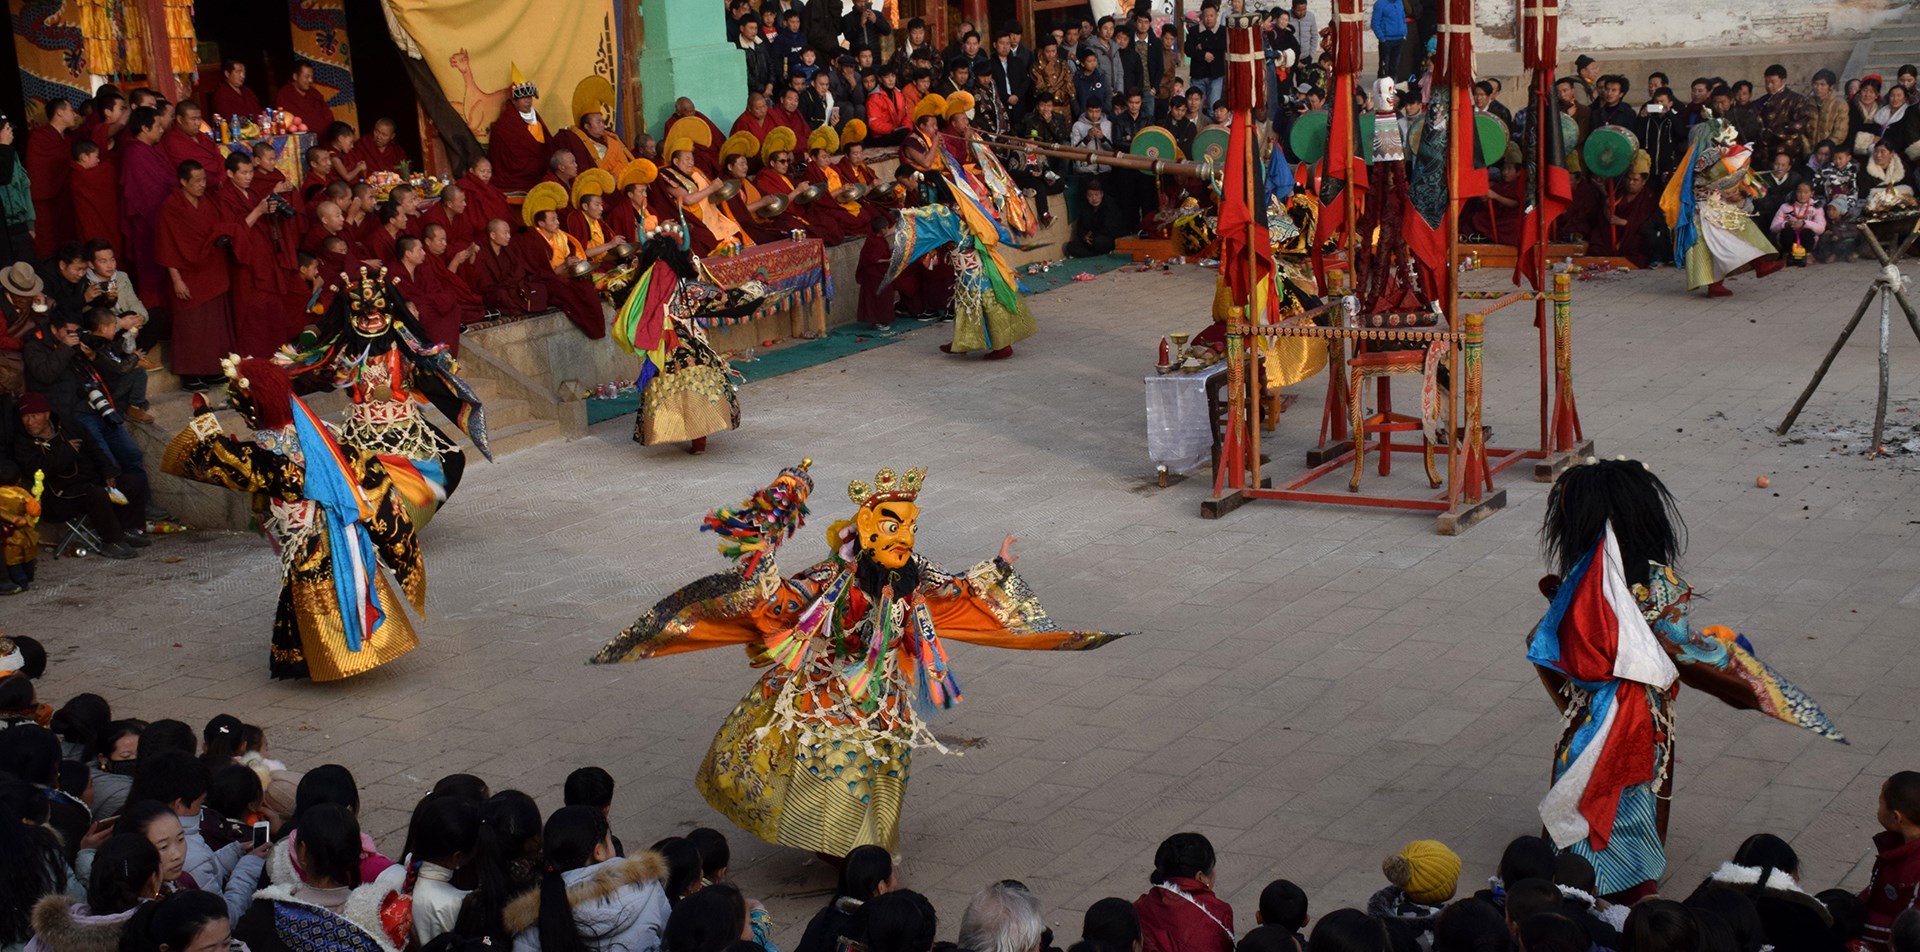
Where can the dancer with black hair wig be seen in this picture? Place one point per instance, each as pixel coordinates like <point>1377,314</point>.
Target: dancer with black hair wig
<point>335,516</point>
<point>1612,651</point>
<point>687,389</point>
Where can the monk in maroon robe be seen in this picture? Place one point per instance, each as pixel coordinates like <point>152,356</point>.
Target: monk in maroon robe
<point>758,119</point>
<point>328,222</point>
<point>441,308</point>
<point>301,99</point>
<point>575,297</point>
<point>501,276</point>
<point>197,276</point>
<point>1618,229</point>
<point>94,187</point>
<point>146,180</point>
<point>48,157</point>
<point>382,242</point>
<point>231,97</point>
<point>458,216</point>
<point>483,196</point>
<point>775,180</point>
<point>265,260</point>
<point>454,266</point>
<point>103,125</point>
<point>880,299</point>
<point>628,214</point>
<point>378,151</point>
<point>187,139</point>
<point>519,147</point>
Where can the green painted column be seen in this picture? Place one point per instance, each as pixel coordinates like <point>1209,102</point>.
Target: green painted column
<point>689,52</point>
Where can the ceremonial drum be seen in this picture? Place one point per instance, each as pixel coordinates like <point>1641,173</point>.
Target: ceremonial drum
<point>1609,150</point>
<point>1569,133</point>
<point>1310,133</point>
<point>1154,142</point>
<point>1491,135</point>
<point>1308,137</point>
<point>1210,146</point>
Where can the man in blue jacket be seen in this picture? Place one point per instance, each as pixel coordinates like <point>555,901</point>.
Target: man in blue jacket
<point>1390,28</point>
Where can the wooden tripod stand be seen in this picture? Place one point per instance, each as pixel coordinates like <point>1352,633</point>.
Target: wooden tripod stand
<point>1890,287</point>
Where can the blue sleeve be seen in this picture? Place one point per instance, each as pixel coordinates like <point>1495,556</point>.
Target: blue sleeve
<point>242,884</point>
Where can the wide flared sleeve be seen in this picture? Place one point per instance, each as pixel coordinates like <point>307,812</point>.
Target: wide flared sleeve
<point>392,531</point>
<point>1721,662</point>
<point>725,608</point>
<point>991,605</point>
<point>203,453</point>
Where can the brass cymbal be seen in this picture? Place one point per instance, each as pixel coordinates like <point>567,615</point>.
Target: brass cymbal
<point>727,190</point>
<point>811,193</point>
<point>770,207</point>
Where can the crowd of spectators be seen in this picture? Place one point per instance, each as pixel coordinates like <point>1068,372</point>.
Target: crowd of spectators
<point>134,222</point>
<point>147,836</point>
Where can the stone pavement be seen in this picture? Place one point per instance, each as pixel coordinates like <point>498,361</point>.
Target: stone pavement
<point>1310,687</point>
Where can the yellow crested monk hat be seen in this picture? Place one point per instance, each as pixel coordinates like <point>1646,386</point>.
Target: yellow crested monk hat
<point>823,138</point>
<point>932,104</point>
<point>676,145</point>
<point>637,172</point>
<point>593,182</point>
<point>546,196</point>
<point>591,95</point>
<point>740,143</point>
<point>853,133</point>
<point>1642,163</point>
<point>779,139</point>
<point>959,102</point>
<point>691,129</point>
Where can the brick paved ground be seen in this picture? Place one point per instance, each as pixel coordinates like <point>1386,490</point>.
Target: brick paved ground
<point>1311,686</point>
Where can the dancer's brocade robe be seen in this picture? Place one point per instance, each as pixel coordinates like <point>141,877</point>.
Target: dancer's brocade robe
<point>309,634</point>
<point>816,755</point>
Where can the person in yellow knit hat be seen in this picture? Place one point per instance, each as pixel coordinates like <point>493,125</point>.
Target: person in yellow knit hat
<point>1423,876</point>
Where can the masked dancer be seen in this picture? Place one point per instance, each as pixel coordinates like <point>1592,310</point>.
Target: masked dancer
<point>371,345</point>
<point>332,513</point>
<point>817,754</point>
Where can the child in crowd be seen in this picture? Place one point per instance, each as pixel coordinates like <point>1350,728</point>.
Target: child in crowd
<point>19,704</point>
<point>1423,876</point>
<point>443,832</point>
<point>1895,886</point>
<point>1283,906</point>
<point>1180,911</point>
<point>1798,224</point>
<point>23,655</point>
<point>592,787</point>
<point>19,539</point>
<point>715,854</point>
<point>1573,875</point>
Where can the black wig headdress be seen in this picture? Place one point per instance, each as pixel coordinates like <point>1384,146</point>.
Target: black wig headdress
<point>1622,492</point>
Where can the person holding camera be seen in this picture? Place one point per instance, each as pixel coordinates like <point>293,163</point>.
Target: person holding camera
<point>116,359</point>
<point>60,368</point>
<point>65,277</point>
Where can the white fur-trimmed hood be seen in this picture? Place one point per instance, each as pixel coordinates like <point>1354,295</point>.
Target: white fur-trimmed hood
<point>1780,887</point>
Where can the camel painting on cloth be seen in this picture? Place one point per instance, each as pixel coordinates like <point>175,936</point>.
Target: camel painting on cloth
<point>472,46</point>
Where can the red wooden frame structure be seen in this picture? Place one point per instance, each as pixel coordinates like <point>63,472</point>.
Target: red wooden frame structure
<point>1470,494</point>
